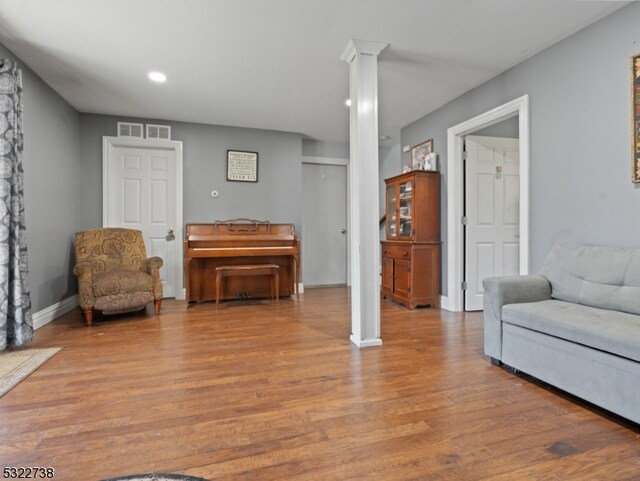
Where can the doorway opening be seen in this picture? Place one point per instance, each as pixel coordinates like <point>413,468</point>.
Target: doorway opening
<point>491,208</point>
<point>325,256</point>
<point>454,300</point>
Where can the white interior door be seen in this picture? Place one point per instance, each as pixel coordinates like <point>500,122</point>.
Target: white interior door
<point>324,217</point>
<point>141,188</point>
<point>492,198</point>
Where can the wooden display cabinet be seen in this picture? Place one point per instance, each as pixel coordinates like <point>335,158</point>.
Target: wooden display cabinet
<point>411,253</point>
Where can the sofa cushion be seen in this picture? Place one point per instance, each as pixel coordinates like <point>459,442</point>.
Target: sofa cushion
<point>610,331</point>
<point>604,277</point>
<point>121,281</point>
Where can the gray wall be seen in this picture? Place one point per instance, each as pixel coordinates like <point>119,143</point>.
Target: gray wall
<point>580,136</point>
<point>53,181</point>
<point>275,197</point>
<point>332,150</point>
<point>580,156</point>
<point>506,129</point>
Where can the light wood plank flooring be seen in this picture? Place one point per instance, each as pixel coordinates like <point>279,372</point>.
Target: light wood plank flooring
<point>265,391</point>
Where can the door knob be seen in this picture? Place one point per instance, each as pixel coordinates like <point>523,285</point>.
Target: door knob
<point>170,235</point>
<point>342,231</point>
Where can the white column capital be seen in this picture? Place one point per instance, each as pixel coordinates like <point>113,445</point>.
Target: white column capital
<point>367,47</point>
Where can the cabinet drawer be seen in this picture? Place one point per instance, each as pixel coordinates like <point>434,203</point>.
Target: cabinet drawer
<point>397,252</point>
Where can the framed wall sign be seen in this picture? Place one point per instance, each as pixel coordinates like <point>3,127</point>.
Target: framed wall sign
<point>635,118</point>
<point>242,166</point>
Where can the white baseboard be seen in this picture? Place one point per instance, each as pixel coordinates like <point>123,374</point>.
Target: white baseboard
<point>445,304</point>
<point>301,288</point>
<point>48,314</point>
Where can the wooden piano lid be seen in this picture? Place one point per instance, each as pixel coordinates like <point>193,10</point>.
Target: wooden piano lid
<point>239,227</point>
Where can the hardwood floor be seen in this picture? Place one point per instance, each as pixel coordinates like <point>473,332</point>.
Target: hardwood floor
<point>265,391</point>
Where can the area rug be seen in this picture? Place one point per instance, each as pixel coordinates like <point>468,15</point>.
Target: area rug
<point>156,477</point>
<point>17,364</point>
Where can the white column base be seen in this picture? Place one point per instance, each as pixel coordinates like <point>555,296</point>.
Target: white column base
<point>365,342</point>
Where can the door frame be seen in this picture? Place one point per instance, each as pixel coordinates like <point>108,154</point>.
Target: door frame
<point>345,163</point>
<point>455,193</point>
<point>108,146</point>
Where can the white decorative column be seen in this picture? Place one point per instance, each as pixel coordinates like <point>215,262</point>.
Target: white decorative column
<point>362,57</point>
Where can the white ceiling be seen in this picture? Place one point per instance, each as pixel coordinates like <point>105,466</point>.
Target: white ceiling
<point>275,64</point>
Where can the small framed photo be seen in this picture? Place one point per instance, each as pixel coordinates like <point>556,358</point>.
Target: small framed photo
<point>242,166</point>
<point>420,153</point>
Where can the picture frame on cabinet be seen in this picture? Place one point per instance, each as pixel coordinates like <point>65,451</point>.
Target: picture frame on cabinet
<point>420,153</point>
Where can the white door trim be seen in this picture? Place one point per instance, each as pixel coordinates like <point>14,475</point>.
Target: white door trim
<point>455,191</point>
<point>110,143</point>
<point>335,161</point>
<point>324,160</point>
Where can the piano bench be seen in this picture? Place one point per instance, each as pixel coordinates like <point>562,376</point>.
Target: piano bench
<point>249,270</point>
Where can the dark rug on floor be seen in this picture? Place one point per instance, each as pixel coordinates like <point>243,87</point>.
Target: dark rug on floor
<point>156,477</point>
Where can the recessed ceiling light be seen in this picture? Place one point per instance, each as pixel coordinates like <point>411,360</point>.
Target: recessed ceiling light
<point>347,102</point>
<point>157,77</point>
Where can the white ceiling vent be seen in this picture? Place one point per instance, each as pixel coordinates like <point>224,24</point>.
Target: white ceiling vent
<point>158,132</point>
<point>126,129</point>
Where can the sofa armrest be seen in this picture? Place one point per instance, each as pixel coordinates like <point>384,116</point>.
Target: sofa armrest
<point>152,267</point>
<point>500,291</point>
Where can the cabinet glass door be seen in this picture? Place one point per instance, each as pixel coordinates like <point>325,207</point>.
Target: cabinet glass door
<point>391,212</point>
<point>405,210</point>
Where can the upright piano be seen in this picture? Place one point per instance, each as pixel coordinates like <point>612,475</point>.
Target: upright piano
<point>237,242</point>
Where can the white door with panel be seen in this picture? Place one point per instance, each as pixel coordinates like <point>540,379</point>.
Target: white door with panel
<point>140,192</point>
<point>492,200</point>
<point>324,220</point>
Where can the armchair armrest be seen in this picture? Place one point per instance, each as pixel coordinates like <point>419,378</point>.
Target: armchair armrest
<point>85,284</point>
<point>152,267</point>
<point>82,269</point>
<point>152,263</point>
<point>500,291</point>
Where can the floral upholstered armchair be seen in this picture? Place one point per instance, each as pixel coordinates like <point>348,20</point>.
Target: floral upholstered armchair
<point>114,273</point>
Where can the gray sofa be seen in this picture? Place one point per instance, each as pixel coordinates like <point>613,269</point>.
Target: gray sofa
<point>576,326</point>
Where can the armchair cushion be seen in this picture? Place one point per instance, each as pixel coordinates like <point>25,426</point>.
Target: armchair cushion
<point>119,303</point>
<point>121,281</point>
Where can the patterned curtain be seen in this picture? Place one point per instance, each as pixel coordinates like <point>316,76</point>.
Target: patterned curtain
<point>16,324</point>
